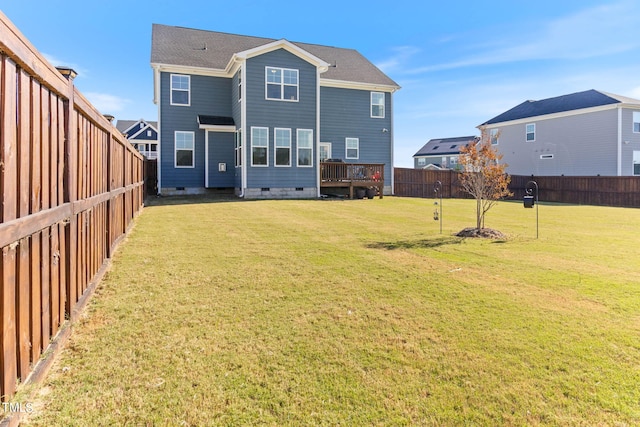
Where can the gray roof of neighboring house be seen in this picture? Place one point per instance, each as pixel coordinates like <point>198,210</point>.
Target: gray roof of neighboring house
<point>558,104</point>
<point>123,125</point>
<point>442,146</point>
<point>209,49</point>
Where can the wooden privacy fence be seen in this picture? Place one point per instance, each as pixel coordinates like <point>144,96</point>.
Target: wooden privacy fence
<point>621,191</point>
<point>70,185</point>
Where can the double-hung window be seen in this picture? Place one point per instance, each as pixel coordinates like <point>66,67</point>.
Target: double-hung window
<point>180,89</point>
<point>304,138</point>
<point>239,148</point>
<point>184,149</point>
<point>281,84</point>
<point>282,147</point>
<point>636,122</point>
<point>377,105</point>
<point>352,148</point>
<point>531,132</point>
<point>259,146</point>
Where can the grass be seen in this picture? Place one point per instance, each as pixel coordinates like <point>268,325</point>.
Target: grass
<point>358,313</point>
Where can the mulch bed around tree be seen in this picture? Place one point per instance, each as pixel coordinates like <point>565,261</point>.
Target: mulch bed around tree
<point>486,233</point>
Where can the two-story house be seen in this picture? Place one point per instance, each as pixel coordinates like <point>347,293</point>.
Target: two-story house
<point>141,134</point>
<point>441,153</point>
<point>581,134</point>
<point>261,115</point>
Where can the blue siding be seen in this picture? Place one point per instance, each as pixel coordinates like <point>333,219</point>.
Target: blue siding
<point>346,113</point>
<point>144,137</point>
<point>221,150</point>
<point>280,114</point>
<point>209,96</point>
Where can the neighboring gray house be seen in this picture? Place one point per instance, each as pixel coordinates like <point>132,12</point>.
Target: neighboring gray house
<point>441,153</point>
<point>141,134</point>
<point>581,134</point>
<point>260,115</point>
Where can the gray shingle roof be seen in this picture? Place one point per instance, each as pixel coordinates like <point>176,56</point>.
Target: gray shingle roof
<point>123,125</point>
<point>209,49</point>
<point>558,104</point>
<point>444,146</point>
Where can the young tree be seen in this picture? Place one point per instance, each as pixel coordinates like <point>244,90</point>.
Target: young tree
<point>483,176</point>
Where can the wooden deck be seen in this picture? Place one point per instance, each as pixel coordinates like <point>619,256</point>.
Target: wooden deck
<point>352,176</point>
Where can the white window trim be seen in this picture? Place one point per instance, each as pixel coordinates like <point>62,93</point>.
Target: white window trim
<point>238,148</point>
<point>527,133</point>
<point>183,90</point>
<point>634,120</point>
<point>384,99</point>
<point>298,148</point>
<point>327,145</point>
<point>175,150</point>
<point>282,84</point>
<point>494,136</point>
<point>260,146</point>
<point>346,148</point>
<point>275,147</point>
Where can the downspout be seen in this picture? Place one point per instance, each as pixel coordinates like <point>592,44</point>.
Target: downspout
<point>206,158</point>
<point>391,143</point>
<point>317,136</point>
<point>243,128</point>
<point>619,140</point>
<point>156,100</point>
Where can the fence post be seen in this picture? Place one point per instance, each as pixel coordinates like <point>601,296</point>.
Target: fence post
<point>70,191</point>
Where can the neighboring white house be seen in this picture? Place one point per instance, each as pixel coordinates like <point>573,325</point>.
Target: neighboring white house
<point>581,134</point>
<point>441,153</point>
<point>141,134</point>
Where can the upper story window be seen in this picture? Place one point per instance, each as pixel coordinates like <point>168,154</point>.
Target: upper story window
<point>422,161</point>
<point>494,134</point>
<point>281,84</point>
<point>531,132</point>
<point>377,105</point>
<point>180,89</point>
<point>240,85</point>
<point>184,149</point>
<point>352,146</point>
<point>636,122</point>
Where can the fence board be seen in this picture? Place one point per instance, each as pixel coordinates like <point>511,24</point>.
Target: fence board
<point>65,170</point>
<point>595,190</point>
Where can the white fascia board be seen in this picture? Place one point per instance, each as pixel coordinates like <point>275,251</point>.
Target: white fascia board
<point>144,129</point>
<point>184,69</point>
<point>358,85</point>
<point>218,128</point>
<point>132,126</point>
<point>289,47</point>
<point>552,116</point>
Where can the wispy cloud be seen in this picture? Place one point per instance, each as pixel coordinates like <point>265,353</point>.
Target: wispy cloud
<point>57,62</point>
<point>400,56</point>
<point>107,103</point>
<point>589,33</point>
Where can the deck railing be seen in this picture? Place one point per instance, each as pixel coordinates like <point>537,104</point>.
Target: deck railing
<point>352,176</point>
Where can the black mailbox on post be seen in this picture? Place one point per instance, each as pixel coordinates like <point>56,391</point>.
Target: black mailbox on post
<point>529,201</point>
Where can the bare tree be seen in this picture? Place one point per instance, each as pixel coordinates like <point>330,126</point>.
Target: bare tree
<point>483,176</point>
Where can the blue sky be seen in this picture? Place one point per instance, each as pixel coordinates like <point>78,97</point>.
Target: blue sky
<point>459,63</point>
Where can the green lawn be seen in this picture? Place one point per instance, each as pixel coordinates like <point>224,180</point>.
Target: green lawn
<point>329,312</point>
